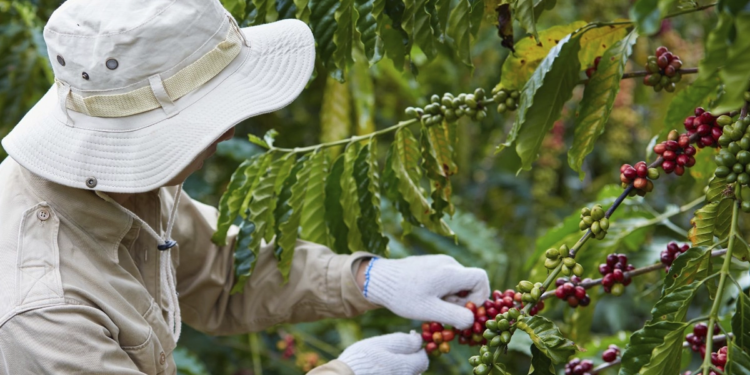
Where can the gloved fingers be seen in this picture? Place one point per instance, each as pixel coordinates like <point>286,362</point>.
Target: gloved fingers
<point>473,280</point>
<point>400,343</point>
<point>412,364</point>
<point>447,313</point>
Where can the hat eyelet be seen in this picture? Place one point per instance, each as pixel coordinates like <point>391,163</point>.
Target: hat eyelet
<point>60,60</point>
<point>111,64</point>
<point>91,182</point>
<point>85,76</point>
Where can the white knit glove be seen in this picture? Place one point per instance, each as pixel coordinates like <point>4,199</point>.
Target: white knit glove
<point>426,288</point>
<point>393,354</point>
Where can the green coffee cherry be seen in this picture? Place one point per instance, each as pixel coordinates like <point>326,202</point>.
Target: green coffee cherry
<point>505,337</point>
<point>514,313</point>
<point>475,360</point>
<point>487,356</point>
<point>551,263</point>
<point>653,173</point>
<point>525,286</point>
<point>489,334</point>
<point>481,369</point>
<point>495,342</point>
<point>536,293</point>
<point>502,325</point>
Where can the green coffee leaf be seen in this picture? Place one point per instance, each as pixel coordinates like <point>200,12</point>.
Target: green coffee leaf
<point>235,7</point>
<point>367,26</point>
<point>285,9</point>
<point>524,11</point>
<point>711,220</point>
<point>686,101</point>
<point>741,322</point>
<point>440,186</point>
<point>323,23</point>
<point>648,14</point>
<point>519,66</point>
<point>542,5</point>
<point>395,39</point>
<point>258,141</point>
<point>686,269</point>
<point>346,18</point>
<point>363,95</point>
<point>261,213</point>
<point>230,202</point>
<point>418,24</point>
<point>598,99</point>
<point>405,165</point>
<point>716,188</point>
<point>738,361</point>
<point>548,338</point>
<point>390,191</point>
<point>716,49</point>
<point>540,363</point>
<point>736,71</point>
<point>334,212</point>
<point>349,198</point>
<point>244,257</point>
<point>475,17</point>
<point>654,349</point>
<point>459,23</point>
<point>253,176</point>
<point>442,10</point>
<point>281,175</point>
<point>542,99</point>
<point>335,113</point>
<point>674,305</point>
<point>284,209</point>
<point>368,193</point>
<point>262,7</point>
<point>313,220</point>
<point>443,148</point>
<point>286,238</point>
<point>302,12</point>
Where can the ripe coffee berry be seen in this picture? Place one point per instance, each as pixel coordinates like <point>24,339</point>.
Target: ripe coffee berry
<point>719,359</point>
<point>436,338</point>
<point>578,367</point>
<point>613,272</point>
<point>611,354</point>
<point>677,153</point>
<point>664,70</point>
<point>572,292</point>
<point>672,252</point>
<point>709,128</point>
<point>697,339</point>
<point>591,70</point>
<point>640,176</point>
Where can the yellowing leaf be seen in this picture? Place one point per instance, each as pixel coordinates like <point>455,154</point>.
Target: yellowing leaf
<point>596,41</point>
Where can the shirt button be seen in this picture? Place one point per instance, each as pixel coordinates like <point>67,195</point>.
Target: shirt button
<point>162,358</point>
<point>42,214</point>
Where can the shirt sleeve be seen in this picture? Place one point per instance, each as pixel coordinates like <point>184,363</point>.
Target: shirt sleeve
<point>321,283</point>
<point>334,367</point>
<point>65,339</point>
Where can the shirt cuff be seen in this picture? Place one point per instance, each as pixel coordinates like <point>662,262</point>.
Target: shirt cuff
<point>334,367</point>
<point>342,285</point>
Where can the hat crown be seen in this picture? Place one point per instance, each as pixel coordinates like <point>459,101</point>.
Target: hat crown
<point>143,37</point>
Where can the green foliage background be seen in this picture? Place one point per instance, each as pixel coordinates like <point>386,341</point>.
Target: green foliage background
<point>503,220</point>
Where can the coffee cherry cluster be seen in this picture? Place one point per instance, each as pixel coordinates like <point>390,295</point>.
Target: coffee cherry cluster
<point>613,271</point>
<point>437,338</point>
<point>672,252</point>
<point>719,359</point>
<point>497,334</point>
<point>697,339</point>
<point>308,360</point>
<point>286,344</point>
<point>733,161</point>
<point>677,153</point>
<point>594,218</point>
<point>572,292</point>
<point>708,127</point>
<point>451,108</point>
<point>507,100</point>
<point>664,70</point>
<point>640,176</point>
<point>555,256</point>
<point>591,70</point>
<point>530,292</point>
<point>610,355</point>
<point>578,367</point>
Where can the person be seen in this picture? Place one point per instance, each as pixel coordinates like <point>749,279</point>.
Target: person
<point>102,254</point>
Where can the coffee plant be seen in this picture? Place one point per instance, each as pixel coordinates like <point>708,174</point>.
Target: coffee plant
<point>310,193</point>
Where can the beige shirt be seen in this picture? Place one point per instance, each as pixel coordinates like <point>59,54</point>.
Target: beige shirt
<point>80,290</point>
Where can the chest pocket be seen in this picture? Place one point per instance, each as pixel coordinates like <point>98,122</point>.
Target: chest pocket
<point>154,356</point>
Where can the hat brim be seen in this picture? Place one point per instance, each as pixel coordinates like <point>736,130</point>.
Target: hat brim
<point>143,152</point>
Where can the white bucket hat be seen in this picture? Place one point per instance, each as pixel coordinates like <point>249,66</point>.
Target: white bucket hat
<point>143,86</point>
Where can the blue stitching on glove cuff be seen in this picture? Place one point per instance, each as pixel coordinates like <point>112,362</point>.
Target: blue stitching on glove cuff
<point>367,275</point>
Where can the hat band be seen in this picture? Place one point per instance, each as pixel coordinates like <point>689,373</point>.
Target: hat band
<point>180,84</point>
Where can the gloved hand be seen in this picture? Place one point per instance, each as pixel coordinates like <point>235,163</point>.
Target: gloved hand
<point>393,354</point>
<point>426,288</point>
